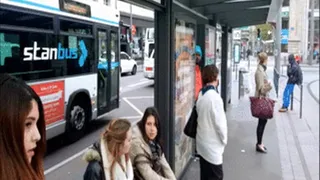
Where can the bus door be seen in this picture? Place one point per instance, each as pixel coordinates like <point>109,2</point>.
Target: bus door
<point>103,68</point>
<point>114,67</point>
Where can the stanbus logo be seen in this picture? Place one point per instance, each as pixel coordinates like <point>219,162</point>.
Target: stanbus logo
<point>59,53</point>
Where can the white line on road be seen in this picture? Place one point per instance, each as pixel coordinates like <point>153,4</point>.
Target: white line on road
<point>133,106</point>
<point>138,84</point>
<point>140,97</point>
<point>62,163</point>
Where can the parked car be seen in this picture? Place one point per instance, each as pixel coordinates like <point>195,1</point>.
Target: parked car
<point>128,65</point>
<point>148,66</point>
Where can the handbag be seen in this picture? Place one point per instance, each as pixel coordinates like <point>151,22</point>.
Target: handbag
<point>191,127</point>
<point>262,107</point>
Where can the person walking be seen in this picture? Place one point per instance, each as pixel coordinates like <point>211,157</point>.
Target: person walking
<point>263,87</point>
<point>198,67</point>
<point>22,131</point>
<point>294,77</point>
<point>108,159</point>
<point>146,151</point>
<point>212,131</point>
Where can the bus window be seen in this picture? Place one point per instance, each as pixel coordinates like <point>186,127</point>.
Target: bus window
<point>114,66</point>
<point>75,27</point>
<point>19,18</point>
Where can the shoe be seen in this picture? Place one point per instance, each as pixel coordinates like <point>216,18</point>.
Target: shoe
<point>283,109</point>
<point>261,150</point>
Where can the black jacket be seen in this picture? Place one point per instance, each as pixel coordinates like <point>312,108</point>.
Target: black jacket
<point>94,169</point>
<point>294,72</point>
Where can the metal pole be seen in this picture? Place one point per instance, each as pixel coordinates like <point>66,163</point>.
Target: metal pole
<point>239,85</point>
<point>278,39</point>
<point>291,101</point>
<point>311,38</point>
<point>131,38</point>
<point>301,99</point>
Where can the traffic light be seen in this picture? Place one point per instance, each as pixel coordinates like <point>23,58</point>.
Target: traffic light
<point>258,34</point>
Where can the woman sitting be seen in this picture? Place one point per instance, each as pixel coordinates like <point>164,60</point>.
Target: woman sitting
<point>109,159</point>
<point>146,152</point>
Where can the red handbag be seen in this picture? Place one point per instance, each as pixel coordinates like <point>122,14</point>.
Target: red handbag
<point>262,107</point>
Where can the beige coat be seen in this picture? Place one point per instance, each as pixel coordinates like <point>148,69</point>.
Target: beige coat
<point>263,87</point>
<point>139,146</point>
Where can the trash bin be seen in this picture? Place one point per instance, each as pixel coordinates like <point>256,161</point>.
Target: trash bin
<point>244,82</point>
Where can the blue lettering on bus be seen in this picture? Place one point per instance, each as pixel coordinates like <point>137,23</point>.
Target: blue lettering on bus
<point>59,53</point>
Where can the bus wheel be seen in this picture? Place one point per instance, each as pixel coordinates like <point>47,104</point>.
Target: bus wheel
<point>77,120</point>
<point>134,70</point>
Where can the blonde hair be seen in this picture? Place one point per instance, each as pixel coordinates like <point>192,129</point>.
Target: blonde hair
<point>115,135</point>
<point>262,57</point>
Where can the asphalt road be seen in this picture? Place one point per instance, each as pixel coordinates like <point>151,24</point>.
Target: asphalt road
<point>63,161</point>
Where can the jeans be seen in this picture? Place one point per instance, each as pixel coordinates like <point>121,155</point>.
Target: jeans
<point>286,95</point>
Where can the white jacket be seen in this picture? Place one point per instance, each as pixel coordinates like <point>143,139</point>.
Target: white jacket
<point>212,131</point>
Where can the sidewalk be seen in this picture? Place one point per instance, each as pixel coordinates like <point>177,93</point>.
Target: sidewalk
<point>293,153</point>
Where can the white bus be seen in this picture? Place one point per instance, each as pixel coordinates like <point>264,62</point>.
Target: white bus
<point>58,47</point>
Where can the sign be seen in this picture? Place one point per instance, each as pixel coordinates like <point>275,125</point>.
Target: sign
<point>52,97</point>
<point>75,8</point>
<point>37,53</point>
<point>237,34</point>
<point>236,53</point>
<point>284,36</point>
<point>285,14</point>
<point>133,30</point>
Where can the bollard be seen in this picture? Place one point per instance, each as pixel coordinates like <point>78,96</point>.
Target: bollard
<point>292,101</point>
<point>301,98</point>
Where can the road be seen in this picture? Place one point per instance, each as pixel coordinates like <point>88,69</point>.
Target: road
<point>64,161</point>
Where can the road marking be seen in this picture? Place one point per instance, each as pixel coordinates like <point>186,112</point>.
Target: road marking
<point>57,166</point>
<point>144,80</point>
<point>140,97</point>
<point>130,117</point>
<point>133,106</point>
<point>138,84</point>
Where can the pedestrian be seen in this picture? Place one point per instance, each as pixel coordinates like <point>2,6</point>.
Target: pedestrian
<point>212,131</point>
<point>197,69</point>
<point>294,77</point>
<point>108,159</point>
<point>22,131</point>
<point>263,87</point>
<point>146,151</point>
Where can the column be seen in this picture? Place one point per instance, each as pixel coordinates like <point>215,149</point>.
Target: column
<point>224,66</point>
<point>164,77</point>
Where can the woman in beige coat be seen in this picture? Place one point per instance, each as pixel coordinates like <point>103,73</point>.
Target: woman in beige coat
<point>146,152</point>
<point>263,87</point>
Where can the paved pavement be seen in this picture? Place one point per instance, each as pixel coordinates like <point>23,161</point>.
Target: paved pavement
<point>293,143</point>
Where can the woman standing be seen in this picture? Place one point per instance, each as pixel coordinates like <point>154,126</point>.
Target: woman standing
<point>212,132</point>
<point>146,152</point>
<point>263,87</point>
<point>109,159</point>
<point>22,131</point>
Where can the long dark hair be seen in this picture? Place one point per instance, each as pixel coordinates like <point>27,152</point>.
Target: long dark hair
<point>15,104</point>
<point>150,111</point>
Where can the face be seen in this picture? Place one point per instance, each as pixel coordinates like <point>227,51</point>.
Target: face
<point>127,142</point>
<point>31,132</point>
<point>198,58</point>
<point>151,128</point>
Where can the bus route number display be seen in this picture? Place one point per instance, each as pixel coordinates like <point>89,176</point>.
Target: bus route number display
<point>75,8</point>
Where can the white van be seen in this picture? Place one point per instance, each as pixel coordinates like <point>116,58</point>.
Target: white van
<point>148,66</point>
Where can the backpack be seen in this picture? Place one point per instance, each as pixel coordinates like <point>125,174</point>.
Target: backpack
<point>300,76</point>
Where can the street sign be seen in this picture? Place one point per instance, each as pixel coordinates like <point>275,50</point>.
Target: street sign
<point>284,36</point>
<point>237,34</point>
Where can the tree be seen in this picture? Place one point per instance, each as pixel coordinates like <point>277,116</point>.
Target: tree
<point>264,28</point>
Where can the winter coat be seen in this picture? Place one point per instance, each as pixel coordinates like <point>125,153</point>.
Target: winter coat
<point>262,86</point>
<point>99,165</point>
<point>212,130</point>
<point>140,147</point>
<point>294,72</point>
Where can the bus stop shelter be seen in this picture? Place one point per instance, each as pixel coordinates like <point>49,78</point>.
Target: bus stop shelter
<point>179,26</point>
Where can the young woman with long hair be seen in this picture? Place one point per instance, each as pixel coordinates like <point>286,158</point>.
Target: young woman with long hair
<point>109,157</point>
<point>146,151</point>
<point>22,131</point>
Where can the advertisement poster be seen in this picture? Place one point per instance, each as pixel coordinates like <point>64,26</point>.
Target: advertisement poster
<point>184,94</point>
<point>210,46</point>
<point>52,97</point>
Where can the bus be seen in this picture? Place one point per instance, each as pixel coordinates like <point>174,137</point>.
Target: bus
<point>68,52</point>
